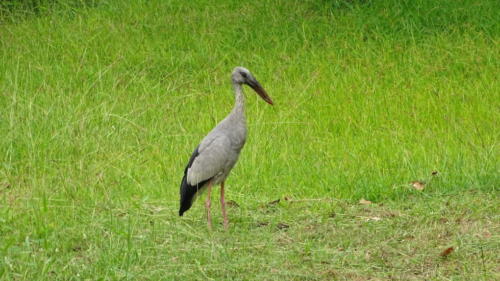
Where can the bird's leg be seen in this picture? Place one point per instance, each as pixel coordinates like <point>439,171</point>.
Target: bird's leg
<point>223,206</point>
<point>208,204</point>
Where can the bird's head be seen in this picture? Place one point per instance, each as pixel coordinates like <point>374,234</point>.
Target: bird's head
<point>242,75</point>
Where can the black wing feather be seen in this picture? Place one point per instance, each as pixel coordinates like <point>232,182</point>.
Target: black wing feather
<point>188,191</point>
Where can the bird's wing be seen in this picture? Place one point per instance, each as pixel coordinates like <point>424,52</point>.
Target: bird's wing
<point>211,160</point>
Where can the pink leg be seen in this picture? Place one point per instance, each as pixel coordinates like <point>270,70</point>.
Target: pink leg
<point>223,206</point>
<point>207,206</point>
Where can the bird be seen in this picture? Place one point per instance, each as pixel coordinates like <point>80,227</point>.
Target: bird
<point>215,156</point>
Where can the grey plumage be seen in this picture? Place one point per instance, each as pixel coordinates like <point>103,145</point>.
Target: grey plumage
<point>218,152</point>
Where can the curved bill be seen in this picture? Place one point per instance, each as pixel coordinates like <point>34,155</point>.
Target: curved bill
<point>259,90</point>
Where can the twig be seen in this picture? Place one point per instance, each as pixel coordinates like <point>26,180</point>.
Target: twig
<point>310,200</point>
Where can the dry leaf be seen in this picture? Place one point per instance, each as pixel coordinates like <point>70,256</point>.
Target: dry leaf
<point>364,201</point>
<point>273,202</point>
<point>282,225</point>
<point>446,252</point>
<point>390,215</point>
<point>262,223</point>
<point>409,237</point>
<point>418,185</point>
<point>233,204</point>
<point>122,214</point>
<point>287,198</point>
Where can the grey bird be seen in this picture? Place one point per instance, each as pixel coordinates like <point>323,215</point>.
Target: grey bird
<point>218,152</point>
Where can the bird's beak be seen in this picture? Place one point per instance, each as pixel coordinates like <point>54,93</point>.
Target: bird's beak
<point>259,90</point>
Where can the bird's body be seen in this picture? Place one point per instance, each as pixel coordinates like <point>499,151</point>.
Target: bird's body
<point>218,152</point>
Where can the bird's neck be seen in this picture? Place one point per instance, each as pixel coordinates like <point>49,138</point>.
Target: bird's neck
<point>239,104</point>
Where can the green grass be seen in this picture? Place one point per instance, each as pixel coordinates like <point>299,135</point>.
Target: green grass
<point>102,103</point>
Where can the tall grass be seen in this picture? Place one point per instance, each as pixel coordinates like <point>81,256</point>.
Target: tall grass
<point>369,96</point>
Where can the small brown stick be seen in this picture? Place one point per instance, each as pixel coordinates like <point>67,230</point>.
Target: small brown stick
<point>223,206</point>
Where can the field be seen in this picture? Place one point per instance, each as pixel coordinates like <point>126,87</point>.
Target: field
<point>382,146</point>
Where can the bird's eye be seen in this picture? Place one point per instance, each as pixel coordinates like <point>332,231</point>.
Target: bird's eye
<point>244,75</point>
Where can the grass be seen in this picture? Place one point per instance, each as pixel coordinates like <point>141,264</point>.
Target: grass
<point>305,240</point>
<point>103,102</point>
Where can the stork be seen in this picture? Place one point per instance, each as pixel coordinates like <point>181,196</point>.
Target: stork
<point>218,152</point>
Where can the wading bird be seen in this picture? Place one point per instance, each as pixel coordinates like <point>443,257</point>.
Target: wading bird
<point>216,155</point>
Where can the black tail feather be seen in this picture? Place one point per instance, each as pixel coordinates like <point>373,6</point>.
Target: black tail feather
<point>188,193</point>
